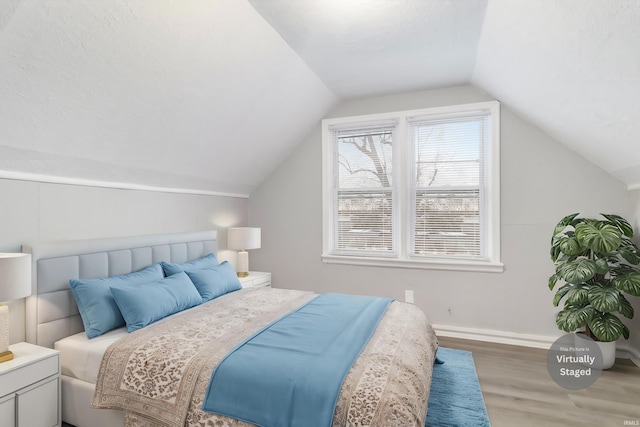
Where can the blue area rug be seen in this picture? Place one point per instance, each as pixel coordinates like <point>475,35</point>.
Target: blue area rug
<point>456,399</point>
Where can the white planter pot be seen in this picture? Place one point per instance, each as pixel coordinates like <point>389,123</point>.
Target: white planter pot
<point>608,350</point>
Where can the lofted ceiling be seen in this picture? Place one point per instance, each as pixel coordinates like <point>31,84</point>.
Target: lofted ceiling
<point>364,47</point>
<point>200,94</point>
<point>211,95</point>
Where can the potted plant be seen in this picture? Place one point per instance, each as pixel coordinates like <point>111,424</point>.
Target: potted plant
<point>598,263</point>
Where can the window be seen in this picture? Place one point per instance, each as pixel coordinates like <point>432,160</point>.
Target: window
<point>413,189</point>
<point>364,190</point>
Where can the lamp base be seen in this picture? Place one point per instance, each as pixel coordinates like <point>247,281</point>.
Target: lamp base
<point>243,273</point>
<point>6,356</point>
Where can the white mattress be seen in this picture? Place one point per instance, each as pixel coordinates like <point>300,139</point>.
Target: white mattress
<point>80,356</point>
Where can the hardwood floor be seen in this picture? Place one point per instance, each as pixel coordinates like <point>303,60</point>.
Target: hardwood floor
<point>518,390</point>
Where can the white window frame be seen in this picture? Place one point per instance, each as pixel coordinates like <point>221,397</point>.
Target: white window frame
<point>491,261</point>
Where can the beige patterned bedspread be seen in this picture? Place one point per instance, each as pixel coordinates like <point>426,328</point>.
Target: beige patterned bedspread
<point>159,374</point>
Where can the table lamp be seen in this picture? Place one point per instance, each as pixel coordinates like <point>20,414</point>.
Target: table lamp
<point>15,283</point>
<point>241,239</point>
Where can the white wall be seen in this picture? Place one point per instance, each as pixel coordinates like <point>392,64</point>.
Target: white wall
<point>33,211</point>
<point>634,324</point>
<point>541,182</point>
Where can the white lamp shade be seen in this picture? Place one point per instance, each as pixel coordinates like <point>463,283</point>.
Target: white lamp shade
<point>243,238</point>
<point>15,276</point>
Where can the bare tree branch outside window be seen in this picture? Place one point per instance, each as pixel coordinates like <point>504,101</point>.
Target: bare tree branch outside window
<point>365,202</point>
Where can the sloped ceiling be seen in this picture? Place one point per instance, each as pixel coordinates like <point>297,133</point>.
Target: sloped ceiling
<point>211,95</point>
<point>572,67</point>
<point>198,94</point>
<point>364,47</point>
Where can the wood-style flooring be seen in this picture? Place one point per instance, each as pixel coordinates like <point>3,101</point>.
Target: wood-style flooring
<point>518,390</point>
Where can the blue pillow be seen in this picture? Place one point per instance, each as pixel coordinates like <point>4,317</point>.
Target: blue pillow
<point>146,303</point>
<point>204,262</point>
<point>98,310</point>
<point>216,281</point>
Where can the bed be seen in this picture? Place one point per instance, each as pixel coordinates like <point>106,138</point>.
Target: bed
<point>387,385</point>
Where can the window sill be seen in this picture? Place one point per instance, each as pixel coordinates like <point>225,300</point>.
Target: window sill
<point>444,264</point>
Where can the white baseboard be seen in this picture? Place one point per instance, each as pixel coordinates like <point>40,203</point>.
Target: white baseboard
<point>626,352</point>
<point>500,337</point>
<point>623,351</point>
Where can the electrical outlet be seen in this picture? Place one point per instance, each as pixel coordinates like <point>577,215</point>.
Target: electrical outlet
<point>408,296</point>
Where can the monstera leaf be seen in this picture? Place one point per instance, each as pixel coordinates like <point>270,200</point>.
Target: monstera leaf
<point>561,293</point>
<point>570,246</point>
<point>599,236</point>
<point>629,283</point>
<point>564,223</point>
<point>559,234</point>
<point>607,327</point>
<point>578,295</point>
<point>577,271</point>
<point>604,298</point>
<point>625,307</point>
<point>572,318</point>
<point>621,223</point>
<point>602,266</point>
<point>629,251</point>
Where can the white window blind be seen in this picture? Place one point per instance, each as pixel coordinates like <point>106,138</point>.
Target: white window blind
<point>364,190</point>
<point>447,188</point>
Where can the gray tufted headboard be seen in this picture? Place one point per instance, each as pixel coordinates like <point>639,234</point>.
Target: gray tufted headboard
<point>51,311</point>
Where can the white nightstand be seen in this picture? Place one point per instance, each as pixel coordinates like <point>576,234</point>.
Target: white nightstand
<point>256,279</point>
<point>30,387</point>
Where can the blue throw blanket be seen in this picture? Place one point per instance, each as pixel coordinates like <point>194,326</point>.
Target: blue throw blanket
<point>290,373</point>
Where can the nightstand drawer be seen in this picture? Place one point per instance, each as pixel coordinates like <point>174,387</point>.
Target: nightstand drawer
<point>42,396</point>
<point>256,279</point>
<point>261,281</point>
<point>27,374</point>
